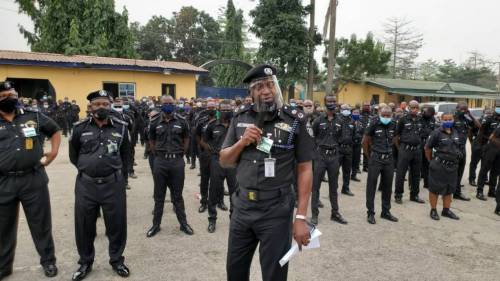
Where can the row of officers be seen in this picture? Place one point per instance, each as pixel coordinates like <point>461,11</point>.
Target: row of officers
<point>101,144</point>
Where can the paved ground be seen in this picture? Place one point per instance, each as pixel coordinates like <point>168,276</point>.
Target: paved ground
<point>416,248</point>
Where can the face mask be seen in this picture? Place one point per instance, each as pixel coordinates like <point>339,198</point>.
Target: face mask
<point>308,110</point>
<point>497,110</point>
<point>385,121</point>
<point>34,106</point>
<point>346,112</point>
<point>8,105</point>
<point>211,112</point>
<point>187,108</point>
<point>355,117</point>
<point>293,105</point>
<point>126,106</point>
<point>117,108</point>
<point>448,124</point>
<point>460,113</point>
<point>331,106</point>
<point>198,104</point>
<point>45,106</point>
<point>101,113</point>
<point>168,108</point>
<point>227,115</point>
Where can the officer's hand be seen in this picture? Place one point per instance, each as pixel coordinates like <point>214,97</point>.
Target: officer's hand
<point>49,157</point>
<point>252,135</point>
<point>301,233</point>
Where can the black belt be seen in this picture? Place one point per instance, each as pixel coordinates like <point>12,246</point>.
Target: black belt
<point>446,162</point>
<point>170,155</point>
<point>19,173</point>
<point>261,195</point>
<point>345,145</point>
<point>411,147</point>
<point>328,151</point>
<point>101,180</point>
<point>383,156</point>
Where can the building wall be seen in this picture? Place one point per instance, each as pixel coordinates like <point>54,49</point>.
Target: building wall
<point>76,83</point>
<point>353,93</point>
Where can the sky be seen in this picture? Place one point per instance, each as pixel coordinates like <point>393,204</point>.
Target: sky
<point>451,28</point>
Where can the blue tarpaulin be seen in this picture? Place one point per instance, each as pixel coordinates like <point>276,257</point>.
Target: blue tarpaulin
<point>221,93</point>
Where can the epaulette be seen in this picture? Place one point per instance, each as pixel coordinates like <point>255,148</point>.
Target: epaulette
<point>118,120</point>
<point>30,109</point>
<point>86,119</point>
<point>242,109</point>
<point>295,113</point>
<point>154,117</point>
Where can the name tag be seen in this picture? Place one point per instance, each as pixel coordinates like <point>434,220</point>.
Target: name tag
<point>87,134</point>
<point>177,126</point>
<point>29,132</point>
<point>269,164</point>
<point>243,125</point>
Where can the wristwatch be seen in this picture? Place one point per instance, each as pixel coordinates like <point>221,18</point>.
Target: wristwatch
<point>300,217</point>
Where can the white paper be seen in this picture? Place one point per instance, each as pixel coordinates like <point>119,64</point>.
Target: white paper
<point>313,244</point>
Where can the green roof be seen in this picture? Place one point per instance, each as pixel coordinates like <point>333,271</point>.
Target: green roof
<point>431,88</point>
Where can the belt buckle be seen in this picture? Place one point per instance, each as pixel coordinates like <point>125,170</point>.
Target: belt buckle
<point>100,181</point>
<point>252,196</point>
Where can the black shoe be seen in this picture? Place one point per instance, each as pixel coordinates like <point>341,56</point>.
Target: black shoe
<point>347,192</point>
<point>186,228</point>
<point>449,214</point>
<point>492,194</point>
<point>354,178</point>
<point>202,208</point>
<point>320,204</point>
<point>416,199</point>
<point>371,219</point>
<point>226,193</point>
<point>122,270</point>
<point>497,211</point>
<point>461,196</point>
<point>434,215</point>
<point>222,206</point>
<point>481,196</point>
<point>398,199</point>
<point>473,182</point>
<point>50,270</point>
<point>388,216</point>
<point>336,216</point>
<point>5,273</point>
<point>324,179</point>
<point>193,166</point>
<point>82,272</point>
<point>211,226</point>
<point>133,175</point>
<point>314,220</point>
<point>365,169</point>
<point>153,230</point>
<point>462,185</point>
<point>128,187</point>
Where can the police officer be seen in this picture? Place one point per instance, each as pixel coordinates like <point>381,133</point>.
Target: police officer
<point>443,167</point>
<point>356,147</point>
<point>364,120</point>
<point>118,112</point>
<point>213,138</point>
<point>428,126</point>
<point>488,127</point>
<point>23,179</point>
<point>99,147</point>
<point>463,124</point>
<point>377,145</point>
<point>409,142</point>
<point>169,138</point>
<point>267,141</point>
<point>327,130</point>
<point>495,140</point>
<point>346,143</point>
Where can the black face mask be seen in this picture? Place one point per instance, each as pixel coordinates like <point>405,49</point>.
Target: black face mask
<point>226,115</point>
<point>101,113</point>
<point>211,112</point>
<point>8,105</point>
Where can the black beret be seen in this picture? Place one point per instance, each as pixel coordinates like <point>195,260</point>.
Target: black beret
<point>259,72</point>
<point>99,94</point>
<point>6,85</point>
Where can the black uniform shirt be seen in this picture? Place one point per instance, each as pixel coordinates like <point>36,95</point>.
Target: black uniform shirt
<point>214,135</point>
<point>428,126</point>
<point>99,152</point>
<point>19,149</point>
<point>348,130</point>
<point>382,135</point>
<point>488,125</point>
<point>410,130</point>
<point>462,126</point>
<point>169,135</point>
<point>446,146</point>
<point>327,132</point>
<point>292,144</point>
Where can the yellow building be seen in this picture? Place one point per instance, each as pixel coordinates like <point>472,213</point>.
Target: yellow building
<point>59,76</point>
<point>380,90</point>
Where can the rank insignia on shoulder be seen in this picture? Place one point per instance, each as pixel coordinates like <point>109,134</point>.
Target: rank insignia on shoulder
<point>283,126</point>
<point>116,135</point>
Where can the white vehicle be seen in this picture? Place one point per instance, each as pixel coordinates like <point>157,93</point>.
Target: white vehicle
<point>477,112</point>
<point>442,107</point>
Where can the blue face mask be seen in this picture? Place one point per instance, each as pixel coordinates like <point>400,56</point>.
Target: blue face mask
<point>355,117</point>
<point>385,121</point>
<point>168,108</point>
<point>497,110</point>
<point>346,112</point>
<point>294,105</point>
<point>448,124</point>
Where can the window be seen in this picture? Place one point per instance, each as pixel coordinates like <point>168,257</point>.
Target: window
<point>126,89</point>
<point>375,99</point>
<point>168,89</point>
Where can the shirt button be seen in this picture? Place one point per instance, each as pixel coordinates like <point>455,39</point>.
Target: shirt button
<point>100,156</point>
<point>254,161</point>
<point>17,136</point>
<point>101,143</point>
<point>18,149</point>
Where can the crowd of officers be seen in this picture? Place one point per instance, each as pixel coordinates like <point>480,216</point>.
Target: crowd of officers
<point>386,141</point>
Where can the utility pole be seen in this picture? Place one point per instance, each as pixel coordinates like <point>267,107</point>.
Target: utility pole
<point>331,47</point>
<point>312,33</point>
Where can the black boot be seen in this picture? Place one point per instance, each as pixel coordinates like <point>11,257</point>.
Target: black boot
<point>434,214</point>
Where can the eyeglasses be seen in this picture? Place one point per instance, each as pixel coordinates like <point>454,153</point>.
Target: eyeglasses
<point>260,85</point>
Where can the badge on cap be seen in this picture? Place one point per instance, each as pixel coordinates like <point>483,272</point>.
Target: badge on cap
<point>102,93</point>
<point>268,71</point>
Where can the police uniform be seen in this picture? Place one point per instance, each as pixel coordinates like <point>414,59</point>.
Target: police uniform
<point>263,206</point>
<point>488,127</point>
<point>380,163</point>
<point>428,126</point>
<point>204,157</point>
<point>346,143</point>
<point>364,120</point>
<point>443,168</point>
<point>476,151</point>
<point>24,180</point>
<point>214,137</point>
<point>462,125</point>
<point>327,135</point>
<point>169,137</point>
<point>99,154</point>
<point>356,149</point>
<point>409,131</point>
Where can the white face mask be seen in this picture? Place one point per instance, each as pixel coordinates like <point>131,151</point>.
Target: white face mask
<point>198,104</point>
<point>46,106</point>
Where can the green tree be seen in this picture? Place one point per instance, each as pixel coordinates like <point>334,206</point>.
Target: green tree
<point>428,70</point>
<point>358,58</point>
<point>449,71</point>
<point>284,38</point>
<point>151,40</point>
